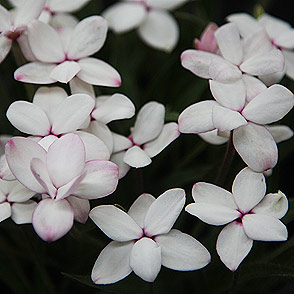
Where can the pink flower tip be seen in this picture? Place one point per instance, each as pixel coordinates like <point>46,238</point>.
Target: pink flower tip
<point>19,77</point>
<point>117,82</point>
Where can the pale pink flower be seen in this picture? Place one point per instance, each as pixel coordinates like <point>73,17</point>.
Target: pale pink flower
<point>207,40</point>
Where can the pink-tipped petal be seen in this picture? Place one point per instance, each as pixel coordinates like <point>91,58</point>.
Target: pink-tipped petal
<point>115,223</point>
<point>52,219</point>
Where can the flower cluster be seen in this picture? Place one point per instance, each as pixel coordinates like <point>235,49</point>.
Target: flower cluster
<point>68,153</point>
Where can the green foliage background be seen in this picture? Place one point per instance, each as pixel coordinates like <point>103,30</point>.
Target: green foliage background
<point>29,265</point>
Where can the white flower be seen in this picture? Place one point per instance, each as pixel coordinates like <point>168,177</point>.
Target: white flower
<point>65,54</point>
<point>249,214</point>
<point>155,24</point>
<point>144,240</point>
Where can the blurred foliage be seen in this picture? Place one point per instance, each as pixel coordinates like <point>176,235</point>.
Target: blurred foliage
<point>29,265</point>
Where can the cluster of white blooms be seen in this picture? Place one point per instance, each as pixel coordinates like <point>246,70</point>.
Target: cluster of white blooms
<point>71,156</point>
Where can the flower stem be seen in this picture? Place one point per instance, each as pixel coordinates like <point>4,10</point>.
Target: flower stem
<point>235,279</point>
<point>150,288</point>
<point>228,158</point>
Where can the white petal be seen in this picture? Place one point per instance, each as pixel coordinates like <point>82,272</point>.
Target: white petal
<point>101,180</point>
<point>209,193</point>
<point>225,119</point>
<point>280,133</point>
<point>164,211</point>
<point>248,189</point>
<point>165,4</point>
<point>198,62</point>
<point>113,263</point>
<point>197,118</point>
<point>87,38</point>
<point>63,20</point>
<point>72,113</point>
<point>274,204</point>
<point>17,192</point>
<point>140,207</point>
<point>115,223</point>
<point>228,40</point>
<point>289,63</point>
<point>285,40</point>
<point>213,137</point>
<point>5,211</point>
<point>264,63</point>
<point>49,99</point>
<point>264,228</point>
<point>97,72</point>
<point>118,159</point>
<point>149,122</point>
<point>19,154</point>
<point>270,105</point>
<point>52,219</point>
<point>160,30</point>
<point>35,73</point>
<point>95,147</point>
<point>5,172</point>
<point>65,71</point>
<point>5,21</point>
<point>256,146</point>
<point>136,157</point>
<point>213,214</point>
<point>5,46</point>
<point>66,159</point>
<point>120,143</point>
<point>230,95</point>
<point>245,22</point>
<point>117,106</point>
<point>168,134</point>
<point>77,86</point>
<point>180,251</point>
<point>48,49</point>
<point>233,245</point>
<point>22,213</point>
<point>29,118</point>
<point>123,17</point>
<point>66,5</point>
<point>145,259</point>
<point>81,208</point>
<point>253,86</point>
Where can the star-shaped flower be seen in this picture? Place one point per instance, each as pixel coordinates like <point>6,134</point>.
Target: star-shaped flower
<point>249,213</point>
<point>144,240</point>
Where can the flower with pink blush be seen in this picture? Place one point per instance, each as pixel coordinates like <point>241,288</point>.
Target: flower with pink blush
<point>13,25</point>
<point>15,202</point>
<point>156,26</point>
<point>148,137</point>
<point>230,112</point>
<point>65,54</point>
<point>144,239</point>
<point>207,40</point>
<point>60,172</point>
<point>249,213</point>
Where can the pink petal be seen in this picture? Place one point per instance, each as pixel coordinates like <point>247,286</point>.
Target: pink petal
<point>52,219</point>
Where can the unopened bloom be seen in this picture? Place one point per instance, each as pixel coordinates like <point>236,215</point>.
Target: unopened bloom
<point>249,213</point>
<point>60,172</point>
<point>64,55</point>
<point>156,26</point>
<point>207,40</point>
<point>144,240</point>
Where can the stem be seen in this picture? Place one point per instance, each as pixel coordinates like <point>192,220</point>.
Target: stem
<point>228,158</point>
<point>150,288</point>
<point>235,279</point>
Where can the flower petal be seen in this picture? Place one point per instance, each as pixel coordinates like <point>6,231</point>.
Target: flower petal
<point>280,133</point>
<point>101,180</point>
<point>248,189</point>
<point>233,245</point>
<point>169,133</point>
<point>66,159</point>
<point>136,157</point>
<point>99,73</point>
<point>5,46</point>
<point>52,219</point>
<point>164,211</point>
<point>47,49</point>
<point>72,113</point>
<point>77,86</point>
<point>213,137</point>
<point>140,207</point>
<point>270,105</point>
<point>22,213</point>
<point>5,19</point>
<point>120,143</point>
<point>81,208</point>
<point>67,5</point>
<point>180,251</point>
<point>253,86</point>
<point>125,16</point>
<point>229,42</point>
<point>160,30</point>
<point>5,211</point>
<point>29,118</point>
<point>256,146</point>
<point>113,263</point>
<point>35,73</point>
<point>118,159</point>
<point>115,223</point>
<point>16,192</point>
<point>114,107</point>
<point>65,71</point>
<point>273,204</point>
<point>264,228</point>
<point>145,259</point>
